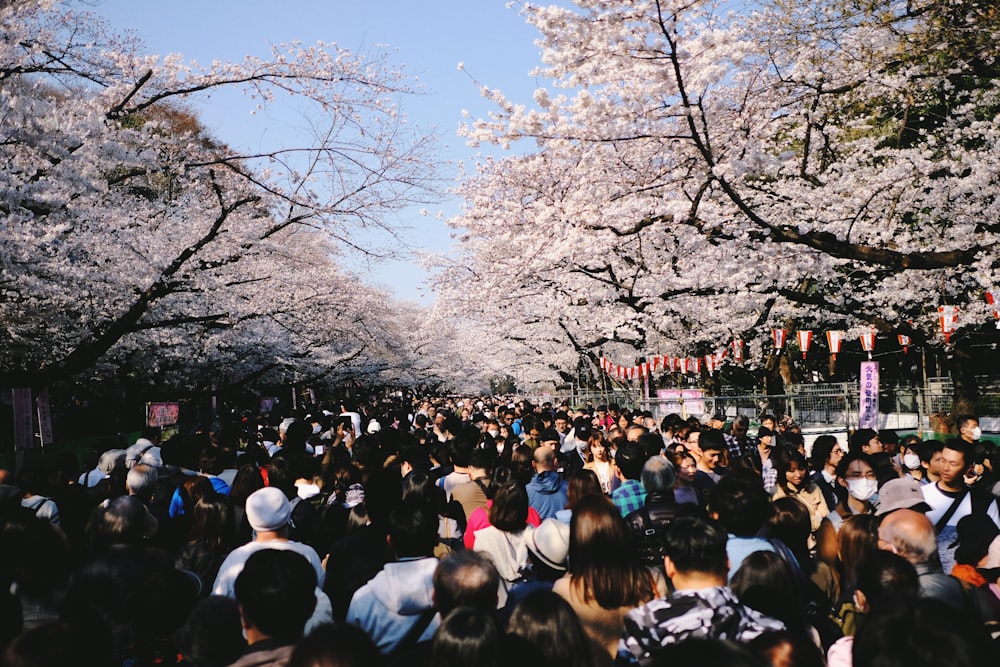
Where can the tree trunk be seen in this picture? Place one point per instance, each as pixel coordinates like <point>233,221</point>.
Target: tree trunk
<point>963,380</point>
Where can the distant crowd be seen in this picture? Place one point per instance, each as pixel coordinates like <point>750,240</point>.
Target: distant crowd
<point>487,532</point>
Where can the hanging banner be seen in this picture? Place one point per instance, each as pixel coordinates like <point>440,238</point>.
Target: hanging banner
<point>779,339</point>
<point>738,351</point>
<point>24,423</point>
<point>868,407</point>
<point>834,339</point>
<point>672,364</point>
<point>44,417</point>
<point>720,356</point>
<point>710,363</point>
<point>904,342</point>
<point>868,342</point>
<point>805,340</point>
<point>948,315</point>
<point>696,363</point>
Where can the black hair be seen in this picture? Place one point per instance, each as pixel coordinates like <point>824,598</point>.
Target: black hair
<point>696,545</point>
<point>413,529</point>
<point>630,459</point>
<point>277,593</point>
<point>741,505</point>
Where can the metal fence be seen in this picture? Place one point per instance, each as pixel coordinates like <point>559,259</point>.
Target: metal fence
<point>819,405</point>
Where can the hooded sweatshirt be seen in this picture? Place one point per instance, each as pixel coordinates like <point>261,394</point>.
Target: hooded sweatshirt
<point>547,493</point>
<point>393,601</point>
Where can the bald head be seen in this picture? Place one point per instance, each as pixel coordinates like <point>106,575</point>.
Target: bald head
<point>545,459</point>
<point>909,534</point>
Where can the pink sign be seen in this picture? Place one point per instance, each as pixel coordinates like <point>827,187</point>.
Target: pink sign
<point>162,414</point>
<point>868,408</point>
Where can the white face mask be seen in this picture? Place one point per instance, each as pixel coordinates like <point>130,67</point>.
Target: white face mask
<point>862,489</point>
<point>977,433</point>
<point>911,461</point>
<point>493,432</point>
<point>500,449</point>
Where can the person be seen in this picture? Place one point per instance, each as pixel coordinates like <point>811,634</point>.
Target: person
<point>738,441</point>
<point>599,460</point>
<point>581,483</point>
<point>884,580</point>
<point>710,471</point>
<point>209,540</point>
<point>476,492</point>
<point>468,637</point>
<point>866,441</point>
<point>212,635</point>
<point>951,500</point>
<point>465,579</point>
<point>336,646</point>
<point>605,577</point>
<point>268,512</point>
<point>793,481</point>
<point>968,429</point>
<point>396,608</point>
<point>742,508</point>
<point>504,540</point>
<point>701,606</point>
<point>761,583</point>
<point>824,458</point>
<point>649,522</point>
<point>766,441</point>
<point>630,495</point>
<point>856,485</point>
<point>547,624</point>
<point>910,534</point>
<point>685,467</point>
<point>547,488</point>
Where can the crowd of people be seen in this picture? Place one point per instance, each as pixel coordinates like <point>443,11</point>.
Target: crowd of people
<point>486,532</point>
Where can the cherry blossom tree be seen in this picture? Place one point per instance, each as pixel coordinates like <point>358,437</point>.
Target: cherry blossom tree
<point>701,173</point>
<point>135,242</point>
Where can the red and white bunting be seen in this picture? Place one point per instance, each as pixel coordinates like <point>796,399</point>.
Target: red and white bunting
<point>653,364</point>
<point>738,351</point>
<point>904,342</point>
<point>779,338</point>
<point>672,364</point>
<point>720,355</point>
<point>683,364</point>
<point>996,313</point>
<point>620,372</point>
<point>805,340</point>
<point>644,369</point>
<point>834,339</point>
<point>948,315</point>
<point>696,363</point>
<point>710,363</point>
<point>868,342</point>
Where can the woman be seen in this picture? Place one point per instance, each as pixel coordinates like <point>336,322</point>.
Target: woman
<point>599,461</point>
<point>210,539</point>
<point>548,625</point>
<point>468,637</point>
<point>686,466</point>
<point>504,540</point>
<point>605,579</point>
<point>418,486</point>
<point>582,483</point>
<point>794,481</point>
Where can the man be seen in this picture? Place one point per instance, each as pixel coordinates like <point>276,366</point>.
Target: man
<point>866,441</point>
<point>635,431</point>
<point>951,500</point>
<point>968,429</point>
<point>630,495</point>
<point>398,603</point>
<point>466,578</point>
<point>701,606</point>
<point>475,493</point>
<point>910,534</point>
<point>649,523</point>
<point>268,512</point>
<point>275,596</point>
<point>738,441</point>
<point>742,507</point>
<point>709,472</point>
<point>547,490</point>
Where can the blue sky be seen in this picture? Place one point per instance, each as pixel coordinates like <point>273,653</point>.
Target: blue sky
<point>428,38</point>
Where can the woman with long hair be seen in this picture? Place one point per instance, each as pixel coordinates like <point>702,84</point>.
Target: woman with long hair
<point>210,538</point>
<point>686,467</point>
<point>581,484</point>
<point>548,625</point>
<point>606,577</point>
<point>794,481</point>
<point>599,460</point>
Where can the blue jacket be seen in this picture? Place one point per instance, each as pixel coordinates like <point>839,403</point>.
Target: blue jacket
<point>547,493</point>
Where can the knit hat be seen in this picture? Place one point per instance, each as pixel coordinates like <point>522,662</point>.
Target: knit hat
<point>550,543</point>
<point>268,509</point>
<point>899,494</point>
